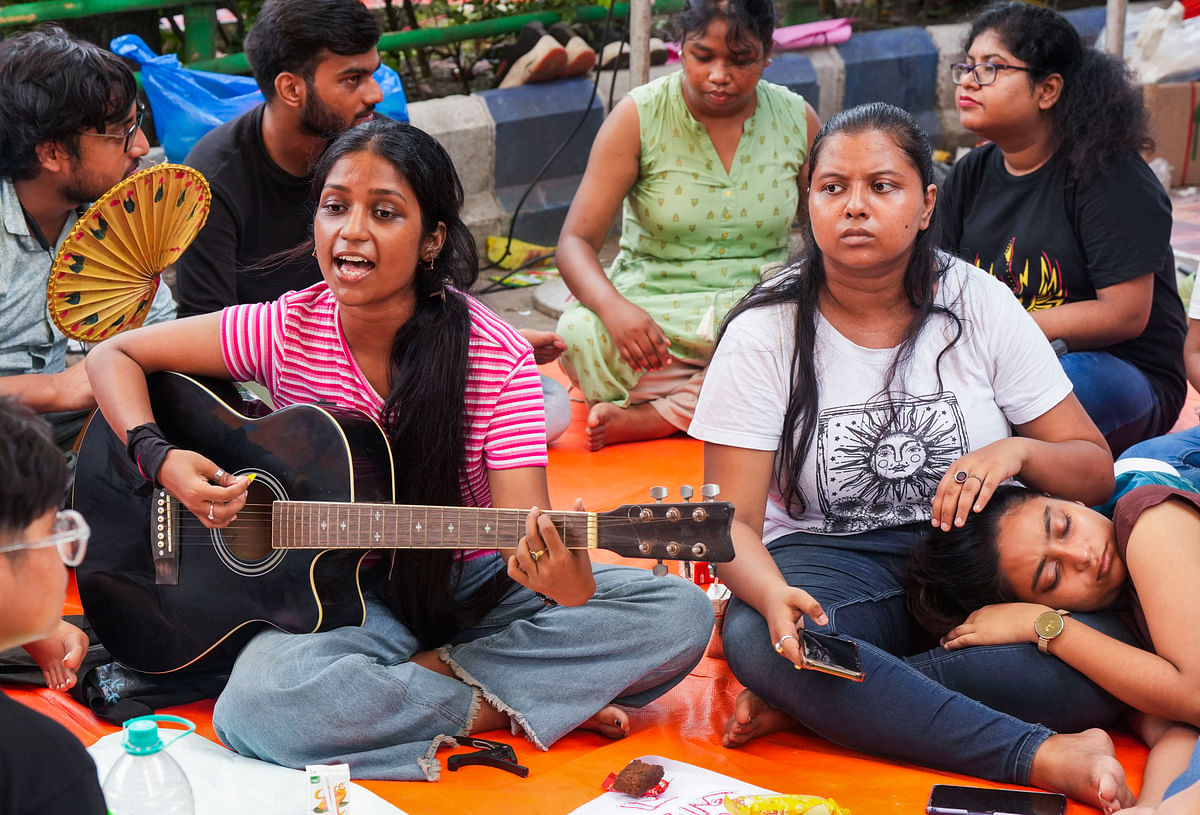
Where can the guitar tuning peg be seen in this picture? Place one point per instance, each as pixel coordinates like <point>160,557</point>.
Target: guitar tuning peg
<point>710,491</point>
<point>658,493</point>
<point>659,569</point>
<point>686,492</point>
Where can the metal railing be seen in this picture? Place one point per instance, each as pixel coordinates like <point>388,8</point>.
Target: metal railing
<point>200,20</point>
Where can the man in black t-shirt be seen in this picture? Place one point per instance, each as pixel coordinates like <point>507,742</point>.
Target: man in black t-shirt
<point>44,770</point>
<point>313,61</point>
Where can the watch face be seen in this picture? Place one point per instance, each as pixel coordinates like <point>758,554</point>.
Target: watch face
<point>1048,624</point>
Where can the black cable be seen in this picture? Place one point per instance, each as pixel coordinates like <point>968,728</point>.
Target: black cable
<point>496,285</point>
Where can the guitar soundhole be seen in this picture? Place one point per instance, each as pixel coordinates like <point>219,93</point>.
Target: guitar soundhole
<point>245,545</point>
<point>249,537</point>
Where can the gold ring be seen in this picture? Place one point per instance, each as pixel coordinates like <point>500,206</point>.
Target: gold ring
<point>537,555</point>
<point>211,507</point>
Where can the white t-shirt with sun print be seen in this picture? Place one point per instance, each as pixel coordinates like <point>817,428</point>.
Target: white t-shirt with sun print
<point>876,458</point>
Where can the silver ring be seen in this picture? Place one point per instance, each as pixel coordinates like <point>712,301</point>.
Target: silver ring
<point>211,507</point>
<point>218,474</point>
<point>961,476</point>
<point>536,556</point>
<point>779,645</point>
<point>977,478</point>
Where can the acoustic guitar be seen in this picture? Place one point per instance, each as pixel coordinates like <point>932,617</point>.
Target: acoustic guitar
<point>164,593</point>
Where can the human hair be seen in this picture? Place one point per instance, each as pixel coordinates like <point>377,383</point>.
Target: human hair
<point>424,411</point>
<point>52,88</point>
<point>288,36</point>
<point>748,20</point>
<point>950,574</point>
<point>801,284</point>
<point>33,471</point>
<point>1101,113</point>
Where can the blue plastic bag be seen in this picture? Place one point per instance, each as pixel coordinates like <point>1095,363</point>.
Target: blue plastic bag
<point>187,104</point>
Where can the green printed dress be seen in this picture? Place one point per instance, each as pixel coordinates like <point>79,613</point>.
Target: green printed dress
<point>693,237</point>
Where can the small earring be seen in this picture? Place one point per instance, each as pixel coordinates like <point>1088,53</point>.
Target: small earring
<point>429,264</point>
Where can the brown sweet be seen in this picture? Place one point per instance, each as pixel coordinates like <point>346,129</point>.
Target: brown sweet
<point>638,778</point>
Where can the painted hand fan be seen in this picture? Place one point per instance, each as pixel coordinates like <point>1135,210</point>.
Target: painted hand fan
<point>109,268</point>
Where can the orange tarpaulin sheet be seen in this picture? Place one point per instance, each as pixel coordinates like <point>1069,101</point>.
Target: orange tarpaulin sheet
<point>683,725</point>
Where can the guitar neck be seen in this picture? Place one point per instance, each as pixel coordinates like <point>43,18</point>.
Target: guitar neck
<point>332,525</point>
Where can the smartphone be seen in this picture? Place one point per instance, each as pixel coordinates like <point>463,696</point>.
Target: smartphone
<point>832,655</point>
<point>946,799</point>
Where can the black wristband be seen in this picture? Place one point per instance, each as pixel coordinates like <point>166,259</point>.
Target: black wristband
<point>549,601</point>
<point>147,449</point>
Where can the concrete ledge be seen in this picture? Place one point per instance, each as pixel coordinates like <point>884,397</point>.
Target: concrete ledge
<point>465,128</point>
<point>796,72</point>
<point>898,66</point>
<point>533,120</point>
<point>831,77</point>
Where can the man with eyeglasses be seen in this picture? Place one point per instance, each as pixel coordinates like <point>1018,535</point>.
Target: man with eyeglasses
<point>43,768</point>
<point>69,131</point>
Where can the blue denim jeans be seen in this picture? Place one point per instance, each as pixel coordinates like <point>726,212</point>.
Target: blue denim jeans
<point>936,707</point>
<point>1181,450</point>
<point>1188,777</point>
<point>351,694</point>
<point>1117,396</point>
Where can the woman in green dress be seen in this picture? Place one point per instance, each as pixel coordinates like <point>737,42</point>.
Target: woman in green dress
<point>708,163</point>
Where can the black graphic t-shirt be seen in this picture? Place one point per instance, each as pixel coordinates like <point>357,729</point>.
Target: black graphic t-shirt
<point>1053,241</point>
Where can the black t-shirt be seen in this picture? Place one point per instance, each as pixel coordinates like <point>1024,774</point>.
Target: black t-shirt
<point>44,770</point>
<point>1053,241</point>
<point>258,209</point>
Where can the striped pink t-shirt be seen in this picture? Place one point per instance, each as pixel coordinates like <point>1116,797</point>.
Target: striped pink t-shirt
<point>295,347</point>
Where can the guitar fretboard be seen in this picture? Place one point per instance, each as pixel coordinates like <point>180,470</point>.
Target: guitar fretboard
<point>326,525</point>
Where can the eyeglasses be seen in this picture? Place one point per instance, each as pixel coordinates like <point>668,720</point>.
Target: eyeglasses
<point>129,134</point>
<point>71,534</point>
<point>984,72</point>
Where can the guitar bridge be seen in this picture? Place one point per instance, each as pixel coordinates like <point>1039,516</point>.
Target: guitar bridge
<point>163,534</point>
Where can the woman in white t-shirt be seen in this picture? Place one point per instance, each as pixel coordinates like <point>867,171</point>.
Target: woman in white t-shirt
<point>871,388</point>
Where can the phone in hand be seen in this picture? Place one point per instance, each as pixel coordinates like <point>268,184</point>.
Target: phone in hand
<point>947,799</point>
<point>832,655</point>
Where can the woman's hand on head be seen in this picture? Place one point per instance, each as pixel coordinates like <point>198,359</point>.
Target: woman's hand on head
<point>999,624</point>
<point>970,481</point>
<point>783,611</point>
<point>211,494</point>
<point>639,340</point>
<point>543,563</point>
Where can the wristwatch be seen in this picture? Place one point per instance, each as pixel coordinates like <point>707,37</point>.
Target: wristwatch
<point>1048,625</point>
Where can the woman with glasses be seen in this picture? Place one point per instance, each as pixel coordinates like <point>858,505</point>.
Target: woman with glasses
<point>43,768</point>
<point>1062,208</point>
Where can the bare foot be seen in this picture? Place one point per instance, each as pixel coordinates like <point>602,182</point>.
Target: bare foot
<point>60,655</point>
<point>752,717</point>
<point>609,424</point>
<point>611,721</point>
<point>1082,766</point>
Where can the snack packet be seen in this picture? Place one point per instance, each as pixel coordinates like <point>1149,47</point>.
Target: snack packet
<point>782,805</point>
<point>328,789</point>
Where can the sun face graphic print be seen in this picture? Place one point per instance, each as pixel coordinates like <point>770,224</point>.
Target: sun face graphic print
<point>879,464</point>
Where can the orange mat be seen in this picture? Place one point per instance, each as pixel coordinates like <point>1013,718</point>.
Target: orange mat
<point>682,725</point>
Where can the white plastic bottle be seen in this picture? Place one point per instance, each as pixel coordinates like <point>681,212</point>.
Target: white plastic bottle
<point>145,780</point>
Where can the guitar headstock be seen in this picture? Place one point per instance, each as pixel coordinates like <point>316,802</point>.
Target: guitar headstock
<point>685,531</point>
